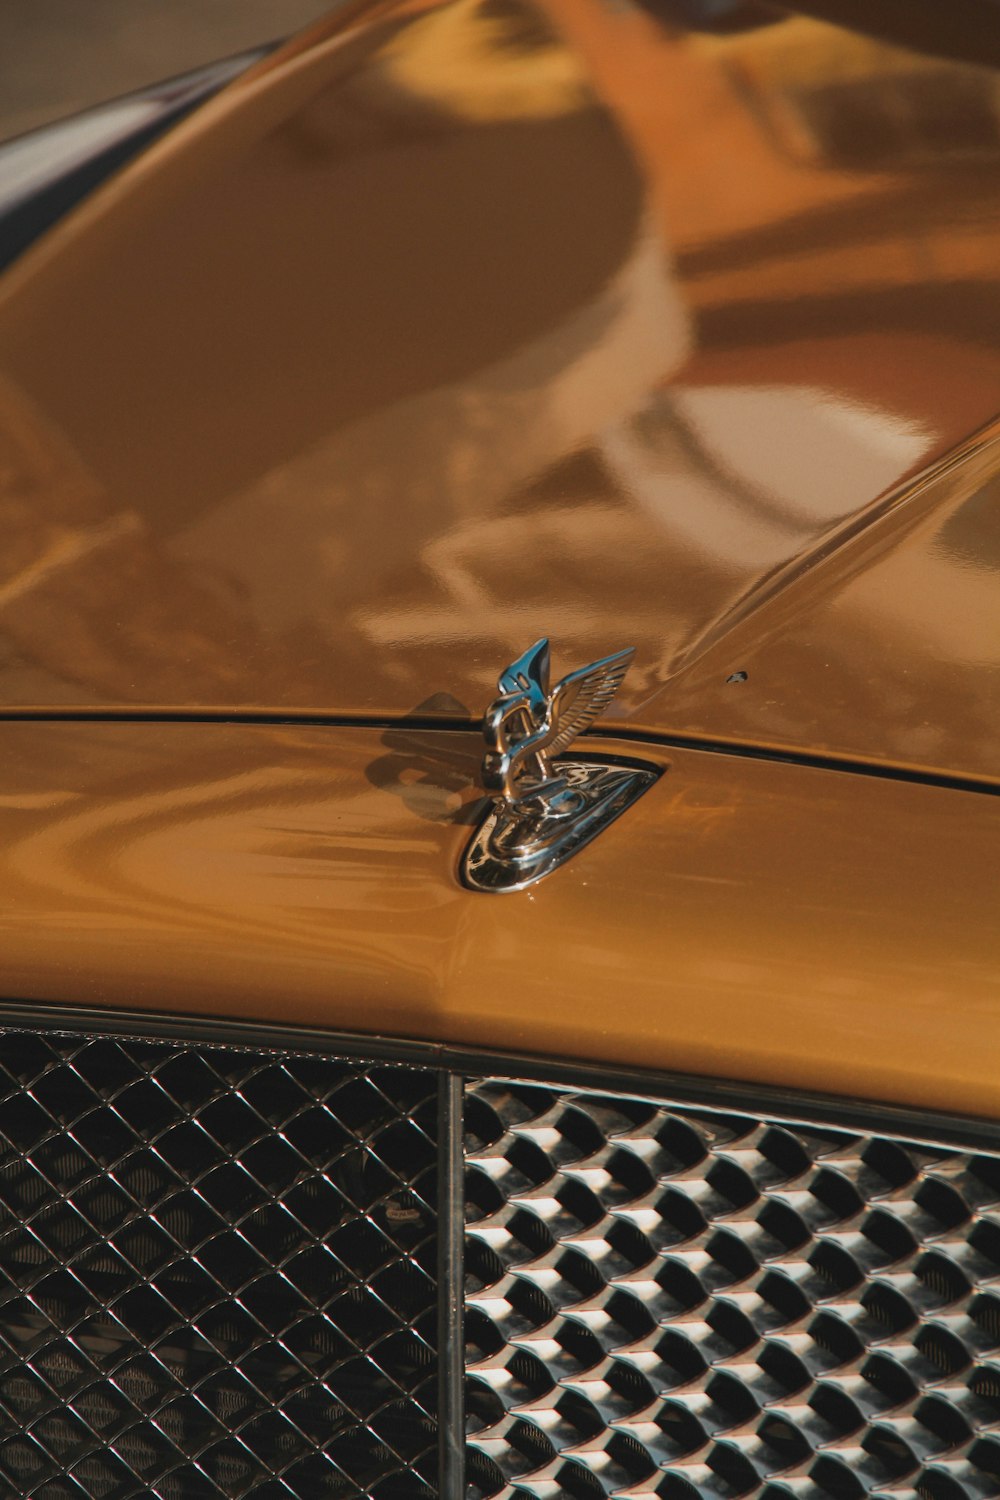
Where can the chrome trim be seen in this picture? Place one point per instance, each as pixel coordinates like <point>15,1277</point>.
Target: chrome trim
<point>719,1095</point>
<point>530,723</point>
<point>544,811</point>
<point>451,1289</point>
<point>515,846</point>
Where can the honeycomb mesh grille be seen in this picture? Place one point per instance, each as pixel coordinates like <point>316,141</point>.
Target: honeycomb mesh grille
<point>217,1273</point>
<point>698,1306</point>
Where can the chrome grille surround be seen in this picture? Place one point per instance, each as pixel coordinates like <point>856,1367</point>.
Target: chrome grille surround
<point>217,1272</point>
<point>664,1300</point>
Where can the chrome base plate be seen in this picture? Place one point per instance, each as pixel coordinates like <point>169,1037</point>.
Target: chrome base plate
<point>514,847</point>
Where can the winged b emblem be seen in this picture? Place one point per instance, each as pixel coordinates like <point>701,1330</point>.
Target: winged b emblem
<point>543,810</point>
<point>529,724</point>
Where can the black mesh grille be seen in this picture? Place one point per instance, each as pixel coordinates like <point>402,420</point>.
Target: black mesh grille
<point>217,1273</point>
<point>691,1305</point>
<point>219,1277</point>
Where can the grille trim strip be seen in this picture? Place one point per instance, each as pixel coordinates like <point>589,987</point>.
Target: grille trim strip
<point>690,1090</point>
<point>451,1287</point>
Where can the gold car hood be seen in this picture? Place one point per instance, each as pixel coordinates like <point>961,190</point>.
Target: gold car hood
<point>450,326</point>
<point>779,924</point>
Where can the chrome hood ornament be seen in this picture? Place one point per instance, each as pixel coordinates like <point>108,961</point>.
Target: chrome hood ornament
<point>544,811</point>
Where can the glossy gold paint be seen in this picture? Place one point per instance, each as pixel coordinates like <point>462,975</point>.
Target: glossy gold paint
<point>744,919</point>
<point>458,324</point>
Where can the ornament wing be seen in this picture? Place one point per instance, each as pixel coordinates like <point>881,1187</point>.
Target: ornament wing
<point>529,674</point>
<point>579,698</point>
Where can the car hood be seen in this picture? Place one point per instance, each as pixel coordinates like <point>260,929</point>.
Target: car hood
<point>765,922</point>
<point>450,327</point>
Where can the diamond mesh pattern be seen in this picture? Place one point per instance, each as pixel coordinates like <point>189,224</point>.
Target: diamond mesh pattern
<point>661,1302</point>
<point>217,1273</point>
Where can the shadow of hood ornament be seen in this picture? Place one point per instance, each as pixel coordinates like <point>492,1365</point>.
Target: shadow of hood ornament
<point>543,810</point>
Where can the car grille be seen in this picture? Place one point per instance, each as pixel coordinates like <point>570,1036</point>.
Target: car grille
<point>235,1269</point>
<point>665,1302</point>
<point>217,1273</point>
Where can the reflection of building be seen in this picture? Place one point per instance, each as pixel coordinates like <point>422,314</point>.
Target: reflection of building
<point>893,154</point>
<point>784,189</point>
<point>687,500</point>
<point>840,100</point>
